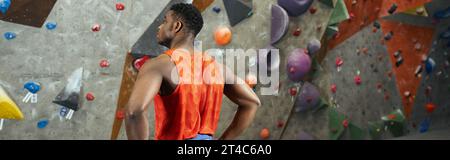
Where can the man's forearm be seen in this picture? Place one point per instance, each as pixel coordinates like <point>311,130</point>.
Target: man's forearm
<point>242,120</point>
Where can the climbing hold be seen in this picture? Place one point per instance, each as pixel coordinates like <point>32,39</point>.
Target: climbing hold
<point>4,5</point>
<point>298,65</point>
<point>388,36</point>
<point>297,32</point>
<point>138,63</point>
<point>90,96</point>
<point>345,123</point>
<point>280,124</point>
<point>429,65</point>
<point>42,123</point>
<point>8,108</point>
<point>32,87</point>
<point>295,7</point>
<point>96,28</point>
<point>279,23</point>
<point>104,63</point>
<point>308,98</point>
<point>357,80</point>
<point>120,6</point>
<point>120,114</point>
<point>222,35</point>
<point>50,25</point>
<point>333,88</point>
<point>339,62</point>
<point>442,14</point>
<point>238,10</point>
<point>216,9</point>
<point>313,47</point>
<point>293,91</point>
<point>63,111</point>
<point>264,134</point>
<point>10,35</point>
<point>424,125</point>
<point>313,10</point>
<point>393,9</point>
<point>430,107</point>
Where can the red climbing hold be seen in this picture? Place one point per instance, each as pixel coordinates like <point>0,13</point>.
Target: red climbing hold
<point>104,63</point>
<point>333,88</point>
<point>138,63</point>
<point>120,115</point>
<point>96,28</point>
<point>339,62</point>
<point>90,96</point>
<point>297,32</point>
<point>280,124</point>
<point>293,91</point>
<point>430,107</point>
<point>345,123</point>
<point>357,80</point>
<point>120,6</point>
<point>313,10</point>
<point>391,116</point>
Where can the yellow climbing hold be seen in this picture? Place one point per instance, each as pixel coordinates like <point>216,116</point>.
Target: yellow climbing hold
<point>8,109</point>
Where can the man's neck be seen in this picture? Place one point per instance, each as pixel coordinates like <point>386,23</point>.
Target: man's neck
<point>184,42</point>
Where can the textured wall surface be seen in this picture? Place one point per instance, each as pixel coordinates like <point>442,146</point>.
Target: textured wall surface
<point>49,57</point>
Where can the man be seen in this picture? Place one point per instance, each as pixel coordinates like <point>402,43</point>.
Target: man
<point>184,108</point>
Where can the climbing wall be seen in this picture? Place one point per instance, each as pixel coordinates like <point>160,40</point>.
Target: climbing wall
<point>49,57</point>
<point>254,33</point>
<point>356,86</point>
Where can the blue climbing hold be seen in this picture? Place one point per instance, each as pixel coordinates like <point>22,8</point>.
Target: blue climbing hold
<point>32,87</point>
<point>42,123</point>
<point>63,111</point>
<point>446,34</point>
<point>424,125</point>
<point>51,25</point>
<point>216,9</point>
<point>4,5</point>
<point>442,14</point>
<point>10,35</point>
<point>430,65</point>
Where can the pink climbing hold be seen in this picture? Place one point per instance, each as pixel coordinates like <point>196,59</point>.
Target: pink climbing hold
<point>357,80</point>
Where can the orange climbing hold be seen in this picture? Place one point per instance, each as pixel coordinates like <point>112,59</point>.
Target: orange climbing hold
<point>222,35</point>
<point>265,133</point>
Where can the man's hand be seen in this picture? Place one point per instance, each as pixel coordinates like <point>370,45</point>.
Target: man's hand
<point>248,102</point>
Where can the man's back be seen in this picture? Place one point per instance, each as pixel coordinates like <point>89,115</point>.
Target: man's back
<point>193,107</point>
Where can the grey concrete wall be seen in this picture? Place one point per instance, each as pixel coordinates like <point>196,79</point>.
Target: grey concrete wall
<point>49,57</point>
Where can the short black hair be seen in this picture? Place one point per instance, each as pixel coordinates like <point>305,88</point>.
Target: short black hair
<point>190,15</point>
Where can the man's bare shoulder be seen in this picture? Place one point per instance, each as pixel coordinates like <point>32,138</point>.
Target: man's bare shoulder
<point>159,63</point>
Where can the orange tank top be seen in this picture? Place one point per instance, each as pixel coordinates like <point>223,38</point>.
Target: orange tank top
<point>194,106</point>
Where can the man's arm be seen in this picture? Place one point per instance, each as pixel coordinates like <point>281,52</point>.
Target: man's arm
<point>146,87</point>
<point>247,101</point>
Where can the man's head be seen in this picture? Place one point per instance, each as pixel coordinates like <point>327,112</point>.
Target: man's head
<point>181,20</point>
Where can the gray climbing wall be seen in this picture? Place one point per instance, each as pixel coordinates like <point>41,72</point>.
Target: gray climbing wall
<point>254,33</point>
<point>49,57</point>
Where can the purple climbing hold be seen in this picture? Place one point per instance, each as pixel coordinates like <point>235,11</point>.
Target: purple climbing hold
<point>298,65</point>
<point>308,98</point>
<point>280,22</point>
<point>314,46</point>
<point>295,7</point>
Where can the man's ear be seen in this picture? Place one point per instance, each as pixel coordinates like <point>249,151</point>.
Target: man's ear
<point>178,26</point>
